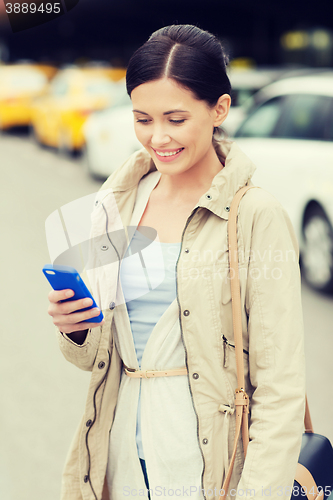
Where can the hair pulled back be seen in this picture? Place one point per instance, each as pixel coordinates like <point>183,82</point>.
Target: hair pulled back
<point>194,58</point>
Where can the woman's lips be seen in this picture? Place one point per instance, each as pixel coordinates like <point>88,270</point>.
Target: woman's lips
<point>167,155</point>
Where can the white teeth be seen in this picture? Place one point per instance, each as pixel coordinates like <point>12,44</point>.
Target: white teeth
<point>169,154</point>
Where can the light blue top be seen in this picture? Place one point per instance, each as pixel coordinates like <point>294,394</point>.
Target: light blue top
<point>149,303</point>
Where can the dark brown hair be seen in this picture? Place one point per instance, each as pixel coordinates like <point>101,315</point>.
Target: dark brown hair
<point>192,57</point>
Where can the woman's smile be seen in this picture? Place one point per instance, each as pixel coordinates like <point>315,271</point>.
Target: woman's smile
<point>167,155</point>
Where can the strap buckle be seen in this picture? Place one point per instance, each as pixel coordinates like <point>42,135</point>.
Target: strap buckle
<point>242,399</point>
<point>241,390</point>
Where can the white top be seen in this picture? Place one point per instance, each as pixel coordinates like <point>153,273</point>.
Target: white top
<point>168,421</point>
<point>145,309</point>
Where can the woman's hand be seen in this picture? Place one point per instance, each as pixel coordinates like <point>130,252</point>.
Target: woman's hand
<point>68,317</point>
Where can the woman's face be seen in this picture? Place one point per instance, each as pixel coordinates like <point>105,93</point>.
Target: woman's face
<point>175,128</point>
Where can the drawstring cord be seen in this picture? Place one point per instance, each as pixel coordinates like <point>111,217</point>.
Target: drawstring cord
<point>227,410</point>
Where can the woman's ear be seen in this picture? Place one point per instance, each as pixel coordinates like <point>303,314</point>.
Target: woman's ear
<point>221,109</point>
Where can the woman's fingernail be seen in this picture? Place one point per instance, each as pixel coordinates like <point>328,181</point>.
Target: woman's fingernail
<point>87,302</point>
<point>69,293</point>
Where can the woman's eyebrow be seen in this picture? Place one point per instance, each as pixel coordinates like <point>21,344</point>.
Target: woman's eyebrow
<point>166,113</point>
<point>175,111</point>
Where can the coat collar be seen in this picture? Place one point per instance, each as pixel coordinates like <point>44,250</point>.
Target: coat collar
<point>237,172</point>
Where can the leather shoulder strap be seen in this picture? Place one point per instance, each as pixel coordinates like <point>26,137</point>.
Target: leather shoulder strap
<point>235,295</point>
<point>234,283</point>
<point>241,398</point>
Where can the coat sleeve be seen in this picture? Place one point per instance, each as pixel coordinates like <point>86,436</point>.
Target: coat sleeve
<point>83,356</point>
<point>276,355</point>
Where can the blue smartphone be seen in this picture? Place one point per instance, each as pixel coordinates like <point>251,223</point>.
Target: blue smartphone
<point>63,277</point>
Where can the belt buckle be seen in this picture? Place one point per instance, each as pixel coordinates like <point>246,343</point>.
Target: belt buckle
<point>130,370</point>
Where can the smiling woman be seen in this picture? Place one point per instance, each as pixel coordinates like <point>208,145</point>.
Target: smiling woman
<point>160,414</point>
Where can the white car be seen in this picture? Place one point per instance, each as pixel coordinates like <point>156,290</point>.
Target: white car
<point>289,136</point>
<point>110,139</point>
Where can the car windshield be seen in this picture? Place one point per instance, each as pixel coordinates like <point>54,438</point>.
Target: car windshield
<point>263,120</point>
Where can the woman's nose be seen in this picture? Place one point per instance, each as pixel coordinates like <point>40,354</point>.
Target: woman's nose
<point>159,136</point>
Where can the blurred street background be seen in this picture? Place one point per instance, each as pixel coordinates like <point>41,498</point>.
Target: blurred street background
<point>66,125</point>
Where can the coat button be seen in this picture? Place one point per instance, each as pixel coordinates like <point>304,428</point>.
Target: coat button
<point>101,365</point>
<point>186,250</point>
<point>186,312</point>
<point>104,247</point>
<point>112,305</point>
<point>195,375</point>
<point>205,441</point>
<point>208,196</point>
<point>86,478</point>
<point>227,209</point>
<point>96,202</point>
<point>88,423</point>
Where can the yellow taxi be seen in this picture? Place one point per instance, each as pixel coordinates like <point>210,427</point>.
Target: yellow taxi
<point>74,93</point>
<point>19,85</point>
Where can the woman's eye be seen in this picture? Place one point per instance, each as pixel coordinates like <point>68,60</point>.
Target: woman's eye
<point>147,120</point>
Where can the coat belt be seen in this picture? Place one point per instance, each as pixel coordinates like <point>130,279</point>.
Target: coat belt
<point>131,372</point>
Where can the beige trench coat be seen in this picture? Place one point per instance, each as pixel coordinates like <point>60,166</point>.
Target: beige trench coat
<point>272,333</point>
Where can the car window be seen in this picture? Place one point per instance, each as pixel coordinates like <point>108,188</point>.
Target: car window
<point>240,96</point>
<point>305,117</point>
<point>263,120</point>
